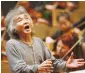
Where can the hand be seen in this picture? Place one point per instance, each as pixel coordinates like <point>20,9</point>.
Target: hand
<point>46,66</point>
<point>74,63</point>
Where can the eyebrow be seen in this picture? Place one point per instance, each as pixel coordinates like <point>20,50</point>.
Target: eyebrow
<point>26,16</point>
<point>17,19</point>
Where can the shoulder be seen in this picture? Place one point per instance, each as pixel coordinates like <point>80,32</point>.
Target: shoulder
<point>10,45</point>
<point>12,41</point>
<point>37,39</point>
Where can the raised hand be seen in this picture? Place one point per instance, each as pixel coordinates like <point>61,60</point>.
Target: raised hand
<point>74,63</point>
<point>46,66</point>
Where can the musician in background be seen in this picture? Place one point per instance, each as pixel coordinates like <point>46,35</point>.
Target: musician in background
<point>65,25</point>
<point>64,44</point>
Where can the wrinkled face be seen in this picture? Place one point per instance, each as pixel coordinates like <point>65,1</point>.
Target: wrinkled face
<point>64,24</point>
<point>23,23</point>
<point>61,49</point>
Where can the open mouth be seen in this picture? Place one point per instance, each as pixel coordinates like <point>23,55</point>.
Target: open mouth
<point>27,27</point>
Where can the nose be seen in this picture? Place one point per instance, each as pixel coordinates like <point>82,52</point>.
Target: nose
<point>25,21</point>
<point>59,50</point>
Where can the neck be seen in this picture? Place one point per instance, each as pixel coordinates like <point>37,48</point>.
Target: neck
<point>26,37</point>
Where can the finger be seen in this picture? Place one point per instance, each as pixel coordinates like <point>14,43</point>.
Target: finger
<point>47,62</point>
<point>47,69</point>
<point>80,65</point>
<point>47,65</point>
<point>72,55</point>
<point>70,59</point>
<point>80,60</point>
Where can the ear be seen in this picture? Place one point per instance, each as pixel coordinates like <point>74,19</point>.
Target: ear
<point>14,30</point>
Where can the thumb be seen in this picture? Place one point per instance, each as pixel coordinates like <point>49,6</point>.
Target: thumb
<point>71,58</point>
<point>72,55</point>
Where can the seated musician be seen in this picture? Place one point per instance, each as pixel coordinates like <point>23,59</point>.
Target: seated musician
<point>65,43</point>
<point>65,25</point>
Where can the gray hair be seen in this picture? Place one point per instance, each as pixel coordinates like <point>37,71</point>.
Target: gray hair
<point>10,25</point>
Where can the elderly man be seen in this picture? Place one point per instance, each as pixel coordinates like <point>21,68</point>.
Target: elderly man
<point>27,54</point>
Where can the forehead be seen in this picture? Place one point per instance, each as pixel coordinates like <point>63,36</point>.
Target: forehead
<point>60,43</point>
<point>21,16</point>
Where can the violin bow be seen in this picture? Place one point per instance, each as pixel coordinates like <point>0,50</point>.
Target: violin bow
<point>73,46</point>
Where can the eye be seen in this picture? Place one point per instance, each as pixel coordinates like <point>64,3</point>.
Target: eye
<point>63,49</point>
<point>58,46</point>
<point>18,19</point>
<point>26,18</point>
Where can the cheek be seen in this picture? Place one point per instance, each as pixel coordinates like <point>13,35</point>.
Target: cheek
<point>64,51</point>
<point>57,48</point>
<point>19,28</point>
